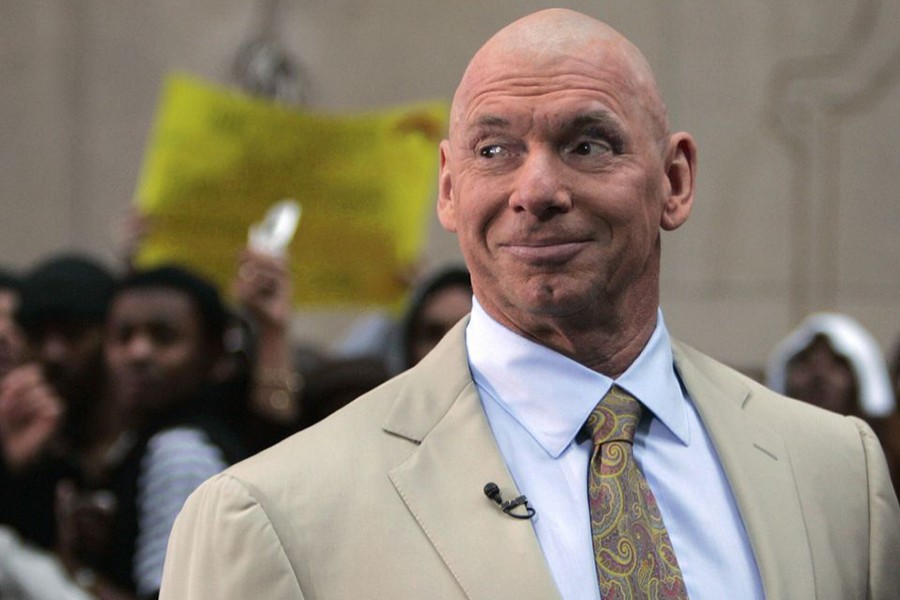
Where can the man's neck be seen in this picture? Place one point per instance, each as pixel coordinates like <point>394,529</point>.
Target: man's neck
<point>605,343</point>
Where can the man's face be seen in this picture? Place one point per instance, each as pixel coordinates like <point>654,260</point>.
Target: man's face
<point>438,314</point>
<point>70,352</point>
<point>155,349</point>
<point>818,375</point>
<point>554,180</point>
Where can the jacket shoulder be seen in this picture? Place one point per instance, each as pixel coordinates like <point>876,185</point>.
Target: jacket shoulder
<point>704,375</point>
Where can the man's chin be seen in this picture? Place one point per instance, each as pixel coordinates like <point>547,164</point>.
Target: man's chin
<point>558,300</point>
<point>141,400</point>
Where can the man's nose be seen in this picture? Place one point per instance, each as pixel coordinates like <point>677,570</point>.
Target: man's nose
<point>541,188</point>
<point>139,348</point>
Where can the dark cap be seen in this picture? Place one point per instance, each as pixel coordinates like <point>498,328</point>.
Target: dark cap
<point>65,287</point>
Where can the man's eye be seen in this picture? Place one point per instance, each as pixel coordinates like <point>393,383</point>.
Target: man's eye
<point>491,151</point>
<point>120,335</point>
<point>590,148</point>
<point>165,337</point>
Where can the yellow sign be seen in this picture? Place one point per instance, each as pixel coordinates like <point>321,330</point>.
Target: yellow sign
<point>218,159</point>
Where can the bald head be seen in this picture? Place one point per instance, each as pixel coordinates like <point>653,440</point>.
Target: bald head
<point>548,40</point>
<point>557,178</point>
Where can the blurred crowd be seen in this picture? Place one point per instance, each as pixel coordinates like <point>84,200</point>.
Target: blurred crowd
<point>121,392</point>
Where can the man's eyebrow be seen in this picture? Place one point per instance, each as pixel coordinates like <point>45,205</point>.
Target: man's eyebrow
<point>606,125</point>
<point>596,118</point>
<point>491,122</point>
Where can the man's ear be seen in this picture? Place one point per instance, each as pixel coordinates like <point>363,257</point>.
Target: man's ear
<point>681,173</point>
<point>446,208</point>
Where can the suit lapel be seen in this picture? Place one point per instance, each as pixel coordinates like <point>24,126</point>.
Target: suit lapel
<point>759,471</point>
<point>490,554</point>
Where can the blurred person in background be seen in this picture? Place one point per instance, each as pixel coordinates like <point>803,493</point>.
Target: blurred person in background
<point>62,310</point>
<point>832,361</point>
<point>56,419</point>
<point>164,347</point>
<point>336,382</point>
<point>436,304</point>
<point>26,572</point>
<point>259,380</point>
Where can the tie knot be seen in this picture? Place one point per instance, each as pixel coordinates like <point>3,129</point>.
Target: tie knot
<point>615,417</point>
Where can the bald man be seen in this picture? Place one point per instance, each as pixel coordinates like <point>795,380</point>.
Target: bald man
<point>558,177</point>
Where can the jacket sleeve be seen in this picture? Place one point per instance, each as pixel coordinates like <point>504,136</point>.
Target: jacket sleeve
<point>223,547</point>
<point>884,521</point>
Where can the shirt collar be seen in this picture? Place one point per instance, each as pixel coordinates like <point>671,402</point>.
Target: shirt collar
<point>524,375</point>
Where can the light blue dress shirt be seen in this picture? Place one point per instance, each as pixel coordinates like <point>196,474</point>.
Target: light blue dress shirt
<point>536,401</point>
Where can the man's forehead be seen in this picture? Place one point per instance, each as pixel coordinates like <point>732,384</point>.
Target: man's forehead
<point>576,50</point>
<point>546,97</point>
<point>596,67</point>
<point>144,301</point>
<point>535,103</point>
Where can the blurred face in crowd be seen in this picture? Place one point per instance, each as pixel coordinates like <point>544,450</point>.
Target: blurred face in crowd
<point>818,375</point>
<point>156,350</point>
<point>11,342</point>
<point>70,352</point>
<point>558,174</point>
<point>438,314</point>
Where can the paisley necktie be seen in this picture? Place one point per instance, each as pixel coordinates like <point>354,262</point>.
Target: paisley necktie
<point>634,555</point>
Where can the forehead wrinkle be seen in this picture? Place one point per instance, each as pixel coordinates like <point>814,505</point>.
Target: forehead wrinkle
<point>578,119</point>
<point>602,118</point>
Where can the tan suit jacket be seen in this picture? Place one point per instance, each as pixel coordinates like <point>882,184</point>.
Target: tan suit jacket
<point>385,500</point>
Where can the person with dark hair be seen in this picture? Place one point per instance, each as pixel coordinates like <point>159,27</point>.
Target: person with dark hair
<point>557,443</point>
<point>56,419</point>
<point>261,385</point>
<point>62,308</point>
<point>163,345</point>
<point>27,572</point>
<point>436,304</point>
<point>334,383</point>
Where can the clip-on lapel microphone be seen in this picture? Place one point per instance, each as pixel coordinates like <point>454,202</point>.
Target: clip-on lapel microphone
<point>492,491</point>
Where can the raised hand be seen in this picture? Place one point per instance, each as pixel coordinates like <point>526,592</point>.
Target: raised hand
<point>30,415</point>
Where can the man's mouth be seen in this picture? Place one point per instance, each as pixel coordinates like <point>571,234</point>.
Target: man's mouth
<point>544,251</point>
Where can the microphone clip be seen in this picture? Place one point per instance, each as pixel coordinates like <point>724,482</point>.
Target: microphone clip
<point>492,491</point>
